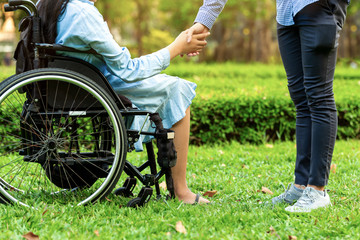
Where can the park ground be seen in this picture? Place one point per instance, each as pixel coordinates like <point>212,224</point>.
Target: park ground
<point>241,177</point>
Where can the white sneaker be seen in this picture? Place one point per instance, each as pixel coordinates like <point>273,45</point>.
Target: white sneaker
<point>310,199</point>
<point>290,195</point>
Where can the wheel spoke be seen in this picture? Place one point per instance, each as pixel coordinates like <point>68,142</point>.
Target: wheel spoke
<point>50,155</point>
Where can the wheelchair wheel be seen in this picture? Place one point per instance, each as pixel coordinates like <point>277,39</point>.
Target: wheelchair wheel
<point>62,139</point>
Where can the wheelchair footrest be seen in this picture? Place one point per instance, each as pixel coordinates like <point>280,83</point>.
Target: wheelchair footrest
<point>127,188</point>
<point>143,198</point>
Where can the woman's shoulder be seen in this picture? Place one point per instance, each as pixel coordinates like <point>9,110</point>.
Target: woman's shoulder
<point>82,7</point>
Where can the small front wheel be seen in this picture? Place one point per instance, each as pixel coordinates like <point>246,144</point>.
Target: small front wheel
<point>135,203</point>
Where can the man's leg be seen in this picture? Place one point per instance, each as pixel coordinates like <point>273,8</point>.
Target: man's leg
<point>290,50</point>
<point>319,47</point>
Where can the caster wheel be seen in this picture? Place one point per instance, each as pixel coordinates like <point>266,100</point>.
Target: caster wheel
<point>135,203</point>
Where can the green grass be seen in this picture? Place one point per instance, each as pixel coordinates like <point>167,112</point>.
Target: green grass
<point>6,71</point>
<point>237,172</point>
<point>229,80</point>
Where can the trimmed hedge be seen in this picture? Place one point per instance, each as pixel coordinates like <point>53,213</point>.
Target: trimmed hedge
<point>250,103</point>
<point>258,120</point>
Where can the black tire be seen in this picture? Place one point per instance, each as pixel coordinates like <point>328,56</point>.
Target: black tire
<point>134,203</point>
<point>62,139</point>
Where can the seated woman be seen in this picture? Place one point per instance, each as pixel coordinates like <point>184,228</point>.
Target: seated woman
<point>78,24</point>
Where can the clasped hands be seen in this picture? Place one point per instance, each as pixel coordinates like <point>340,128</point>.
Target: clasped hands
<point>196,30</point>
<point>190,42</point>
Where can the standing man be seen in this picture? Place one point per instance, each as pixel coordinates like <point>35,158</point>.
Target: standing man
<point>308,33</point>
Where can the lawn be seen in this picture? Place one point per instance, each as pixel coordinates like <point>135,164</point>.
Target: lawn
<point>238,211</point>
<point>229,80</point>
<point>237,173</point>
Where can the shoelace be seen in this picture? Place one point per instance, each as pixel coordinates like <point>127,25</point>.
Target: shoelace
<point>305,199</point>
<point>283,195</point>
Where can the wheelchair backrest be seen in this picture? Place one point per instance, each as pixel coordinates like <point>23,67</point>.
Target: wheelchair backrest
<point>32,53</point>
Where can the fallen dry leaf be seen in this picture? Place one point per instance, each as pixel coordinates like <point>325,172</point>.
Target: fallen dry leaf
<point>269,145</point>
<point>343,198</point>
<point>333,168</point>
<point>273,232</point>
<point>163,185</point>
<point>31,236</point>
<point>266,190</point>
<point>45,211</point>
<point>292,237</point>
<point>180,227</point>
<point>97,233</point>
<point>210,193</point>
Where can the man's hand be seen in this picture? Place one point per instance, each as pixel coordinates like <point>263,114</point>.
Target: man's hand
<point>195,29</point>
<point>181,46</point>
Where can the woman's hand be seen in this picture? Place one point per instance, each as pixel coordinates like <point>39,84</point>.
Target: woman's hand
<point>195,29</point>
<point>181,45</point>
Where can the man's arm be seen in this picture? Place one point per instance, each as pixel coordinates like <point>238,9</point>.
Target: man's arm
<point>205,18</point>
<point>209,11</point>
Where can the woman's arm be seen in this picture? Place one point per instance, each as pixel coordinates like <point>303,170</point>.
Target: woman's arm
<point>85,27</point>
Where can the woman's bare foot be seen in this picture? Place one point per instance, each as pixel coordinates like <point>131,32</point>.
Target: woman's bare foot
<point>189,197</point>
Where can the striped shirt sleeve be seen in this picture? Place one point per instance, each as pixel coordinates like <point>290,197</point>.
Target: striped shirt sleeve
<point>209,11</point>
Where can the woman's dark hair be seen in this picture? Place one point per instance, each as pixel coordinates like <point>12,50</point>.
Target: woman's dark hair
<point>49,11</point>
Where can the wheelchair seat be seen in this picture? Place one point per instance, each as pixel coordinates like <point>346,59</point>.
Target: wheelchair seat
<point>65,133</point>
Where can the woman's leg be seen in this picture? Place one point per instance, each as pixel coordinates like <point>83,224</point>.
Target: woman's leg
<point>181,141</point>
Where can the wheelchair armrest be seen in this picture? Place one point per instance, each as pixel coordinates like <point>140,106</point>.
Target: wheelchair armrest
<point>59,47</point>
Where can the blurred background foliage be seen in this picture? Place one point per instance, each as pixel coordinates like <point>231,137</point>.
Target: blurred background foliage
<point>244,32</point>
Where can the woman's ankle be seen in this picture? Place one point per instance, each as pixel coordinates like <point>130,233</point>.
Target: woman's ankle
<point>189,197</point>
<point>182,193</point>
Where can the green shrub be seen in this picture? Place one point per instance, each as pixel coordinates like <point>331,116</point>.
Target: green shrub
<point>251,103</point>
<point>258,120</point>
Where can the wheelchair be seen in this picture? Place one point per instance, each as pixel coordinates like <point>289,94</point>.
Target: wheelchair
<point>65,133</point>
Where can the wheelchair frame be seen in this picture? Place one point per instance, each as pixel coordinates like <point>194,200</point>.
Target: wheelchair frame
<point>81,150</point>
